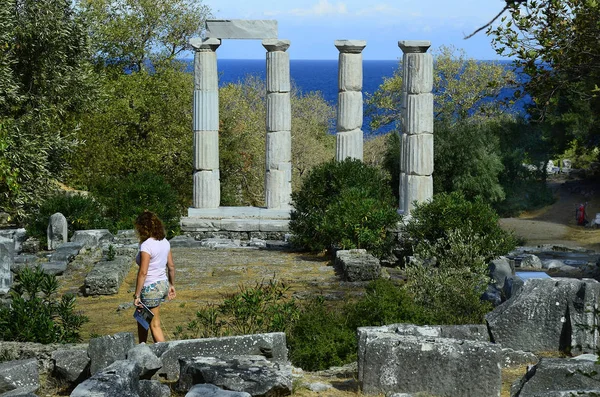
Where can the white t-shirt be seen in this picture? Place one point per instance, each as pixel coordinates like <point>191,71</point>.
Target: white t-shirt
<point>159,252</point>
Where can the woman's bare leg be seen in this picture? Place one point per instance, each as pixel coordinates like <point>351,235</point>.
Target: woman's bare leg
<point>155,328</point>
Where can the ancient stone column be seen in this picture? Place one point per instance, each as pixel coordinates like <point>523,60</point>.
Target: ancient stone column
<point>7,255</point>
<point>349,137</point>
<point>205,120</point>
<point>416,162</point>
<point>278,176</point>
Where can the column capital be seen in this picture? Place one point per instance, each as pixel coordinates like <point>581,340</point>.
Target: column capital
<point>200,44</point>
<point>350,46</point>
<point>276,44</point>
<point>414,46</point>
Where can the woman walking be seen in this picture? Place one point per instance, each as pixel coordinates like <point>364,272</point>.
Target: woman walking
<point>156,273</point>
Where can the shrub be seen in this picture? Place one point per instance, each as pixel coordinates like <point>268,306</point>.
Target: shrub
<point>36,314</point>
<point>125,198</point>
<point>82,212</point>
<point>433,220</point>
<point>345,204</point>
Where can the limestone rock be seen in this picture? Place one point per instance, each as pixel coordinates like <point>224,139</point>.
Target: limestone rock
<point>153,388</point>
<point>92,238</point>
<point>207,390</point>
<point>121,378</point>
<point>358,265</point>
<point>146,359</point>
<point>71,365</point>
<point>57,232</point>
<point>107,276</point>
<point>66,252</point>
<point>105,350</point>
<point>19,375</point>
<point>500,269</point>
<point>531,261</point>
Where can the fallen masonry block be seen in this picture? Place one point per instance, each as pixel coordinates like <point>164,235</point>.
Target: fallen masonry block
<point>66,252</point>
<point>71,365</point>
<point>105,350</point>
<point>358,265</point>
<point>121,378</point>
<point>92,238</point>
<point>107,276</point>
<point>19,375</point>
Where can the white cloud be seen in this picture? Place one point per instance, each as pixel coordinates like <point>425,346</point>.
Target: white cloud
<point>322,8</point>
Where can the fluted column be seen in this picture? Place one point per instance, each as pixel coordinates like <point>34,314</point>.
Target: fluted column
<point>349,137</point>
<point>278,174</point>
<point>416,163</point>
<point>205,119</point>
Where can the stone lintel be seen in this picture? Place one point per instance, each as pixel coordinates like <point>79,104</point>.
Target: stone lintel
<point>350,46</point>
<point>241,29</point>
<point>414,46</point>
<point>199,44</point>
<point>239,213</point>
<point>276,44</point>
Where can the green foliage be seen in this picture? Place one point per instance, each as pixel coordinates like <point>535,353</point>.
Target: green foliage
<point>433,221</point>
<point>36,314</point>
<point>344,204</point>
<point>125,198</point>
<point>111,254</point>
<point>82,212</point>
<point>266,307</point>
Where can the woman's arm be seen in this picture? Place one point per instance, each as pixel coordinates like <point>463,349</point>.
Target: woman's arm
<point>141,276</point>
<point>171,275</point>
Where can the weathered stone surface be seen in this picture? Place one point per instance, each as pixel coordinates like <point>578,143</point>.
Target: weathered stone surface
<point>71,365</point>
<point>146,359</point>
<point>107,276</point>
<point>350,46</point>
<point>66,252</point>
<point>121,378</point>
<point>349,111</point>
<point>279,148</point>
<point>419,114</point>
<point>272,346</point>
<point>207,390</point>
<point>276,45</point>
<point>206,150</point>
<point>418,188</point>
<point>19,375</point>
<point>18,235</point>
<point>251,374</point>
<point>390,363</point>
<point>500,269</point>
<point>205,115</point>
<point>350,74</point>
<point>57,230</point>
<point>207,189</point>
<point>418,71</point>
<point>548,315</point>
<point>513,358</point>
<point>358,265</point>
<point>206,75</point>
<point>42,353</point>
<point>474,332</point>
<point>419,159</point>
<point>551,376</point>
<point>273,225</point>
<point>241,29</point>
<point>278,190</point>
<point>92,238</point>
<point>512,286</point>
<point>55,268</point>
<point>153,388</point>
<point>278,71</point>
<point>531,261</point>
<point>7,255</point>
<point>414,46</point>
<point>279,112</point>
<point>184,241</point>
<point>209,44</point>
<point>349,144</point>
<point>105,350</point>
<point>21,392</point>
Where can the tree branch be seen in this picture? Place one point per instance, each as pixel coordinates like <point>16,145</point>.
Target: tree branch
<point>509,3</point>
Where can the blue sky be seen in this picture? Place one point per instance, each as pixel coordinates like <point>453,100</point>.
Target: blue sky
<point>313,25</point>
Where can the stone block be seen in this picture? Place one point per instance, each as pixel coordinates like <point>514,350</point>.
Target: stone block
<point>206,150</point>
<point>7,258</point>
<point>153,388</point>
<point>272,45</point>
<point>106,350</point>
<point>350,46</point>
<point>278,189</point>
<point>417,72</point>
<point>274,225</point>
<point>414,46</point>
<point>71,365</point>
<point>390,363</point>
<point>146,359</point>
<point>57,232</point>
<point>418,188</point>
<point>241,29</point>
<point>55,268</point>
<point>358,265</point>
<point>220,243</point>
<point>206,74</point>
<point>207,189</point>
<point>17,235</point>
<point>402,192</point>
<point>200,44</point>
<point>92,238</point>
<point>239,225</point>
<point>107,276</point>
<point>350,73</point>
<point>500,269</point>
<point>419,114</point>
<point>121,378</point>
<point>19,375</point>
<point>279,149</point>
<point>208,390</point>
<point>278,72</point>
<point>512,358</point>
<point>279,112</point>
<point>251,374</point>
<point>205,115</point>
<point>349,111</point>
<point>66,252</point>
<point>271,345</point>
<point>349,144</point>
<point>531,261</point>
<point>184,241</point>
<point>419,154</point>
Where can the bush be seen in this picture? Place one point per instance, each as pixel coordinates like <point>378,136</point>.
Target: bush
<point>344,204</point>
<point>82,212</point>
<point>125,198</point>
<point>432,221</point>
<point>36,314</point>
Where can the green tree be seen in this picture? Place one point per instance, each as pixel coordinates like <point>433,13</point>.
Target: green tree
<point>556,44</point>
<point>47,83</point>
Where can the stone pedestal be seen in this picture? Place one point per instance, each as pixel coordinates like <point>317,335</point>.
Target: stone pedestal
<point>350,101</point>
<point>207,187</point>
<point>416,153</point>
<point>278,175</point>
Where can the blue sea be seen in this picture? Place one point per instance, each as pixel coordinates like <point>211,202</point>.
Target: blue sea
<point>316,75</point>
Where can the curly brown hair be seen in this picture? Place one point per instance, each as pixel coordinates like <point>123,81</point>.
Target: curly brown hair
<point>149,225</point>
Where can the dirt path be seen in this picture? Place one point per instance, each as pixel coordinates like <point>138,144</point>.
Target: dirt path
<point>556,224</point>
